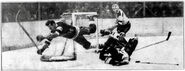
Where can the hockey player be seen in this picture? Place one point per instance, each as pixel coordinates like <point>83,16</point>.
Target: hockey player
<point>116,50</point>
<point>122,22</point>
<point>67,31</point>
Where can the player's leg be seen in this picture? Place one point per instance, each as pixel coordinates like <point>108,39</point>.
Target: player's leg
<point>125,58</point>
<point>122,40</point>
<point>118,56</point>
<point>87,30</point>
<point>132,43</point>
<point>110,41</point>
<point>112,56</point>
<point>82,41</point>
<point>107,47</point>
<point>130,47</point>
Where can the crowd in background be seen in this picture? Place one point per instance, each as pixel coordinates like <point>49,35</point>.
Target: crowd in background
<point>52,10</point>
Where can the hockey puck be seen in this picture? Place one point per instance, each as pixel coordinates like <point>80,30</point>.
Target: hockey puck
<point>137,61</point>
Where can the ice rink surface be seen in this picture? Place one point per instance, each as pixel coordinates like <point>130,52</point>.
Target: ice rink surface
<point>170,51</point>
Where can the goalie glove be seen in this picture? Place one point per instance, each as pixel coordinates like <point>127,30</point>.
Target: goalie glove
<point>105,32</point>
<point>40,38</point>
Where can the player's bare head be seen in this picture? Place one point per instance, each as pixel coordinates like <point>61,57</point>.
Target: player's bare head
<point>115,7</point>
<point>51,24</point>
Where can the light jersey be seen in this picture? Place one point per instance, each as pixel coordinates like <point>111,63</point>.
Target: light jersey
<point>121,17</point>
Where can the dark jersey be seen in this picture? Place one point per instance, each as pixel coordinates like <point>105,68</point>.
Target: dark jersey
<point>65,30</point>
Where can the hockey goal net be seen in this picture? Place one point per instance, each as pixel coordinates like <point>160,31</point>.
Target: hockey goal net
<point>81,19</point>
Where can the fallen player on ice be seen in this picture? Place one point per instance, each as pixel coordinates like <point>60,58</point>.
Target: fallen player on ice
<point>116,50</point>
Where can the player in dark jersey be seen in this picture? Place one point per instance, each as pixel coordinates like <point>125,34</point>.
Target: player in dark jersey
<point>67,31</point>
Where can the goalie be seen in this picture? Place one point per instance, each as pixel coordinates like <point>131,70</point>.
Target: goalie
<point>67,31</point>
<point>116,50</point>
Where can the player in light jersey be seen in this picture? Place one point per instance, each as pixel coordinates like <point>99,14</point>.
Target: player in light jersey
<point>122,21</point>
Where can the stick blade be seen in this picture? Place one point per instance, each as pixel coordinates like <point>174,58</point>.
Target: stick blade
<point>169,34</point>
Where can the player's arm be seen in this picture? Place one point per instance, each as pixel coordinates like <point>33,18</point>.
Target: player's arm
<point>50,36</point>
<point>108,30</point>
<point>54,34</point>
<point>47,41</point>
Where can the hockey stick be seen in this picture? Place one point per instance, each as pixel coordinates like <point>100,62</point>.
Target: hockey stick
<point>169,34</point>
<point>155,63</point>
<point>16,18</point>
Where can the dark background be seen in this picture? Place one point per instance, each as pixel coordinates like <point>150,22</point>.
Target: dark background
<point>52,10</point>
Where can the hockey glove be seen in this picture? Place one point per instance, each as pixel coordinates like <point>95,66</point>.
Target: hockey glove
<point>105,32</point>
<point>40,51</point>
<point>40,38</point>
<point>92,28</point>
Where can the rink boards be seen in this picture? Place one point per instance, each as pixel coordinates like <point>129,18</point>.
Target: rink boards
<point>11,32</point>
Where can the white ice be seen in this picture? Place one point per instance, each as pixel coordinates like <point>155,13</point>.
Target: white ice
<point>167,52</point>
